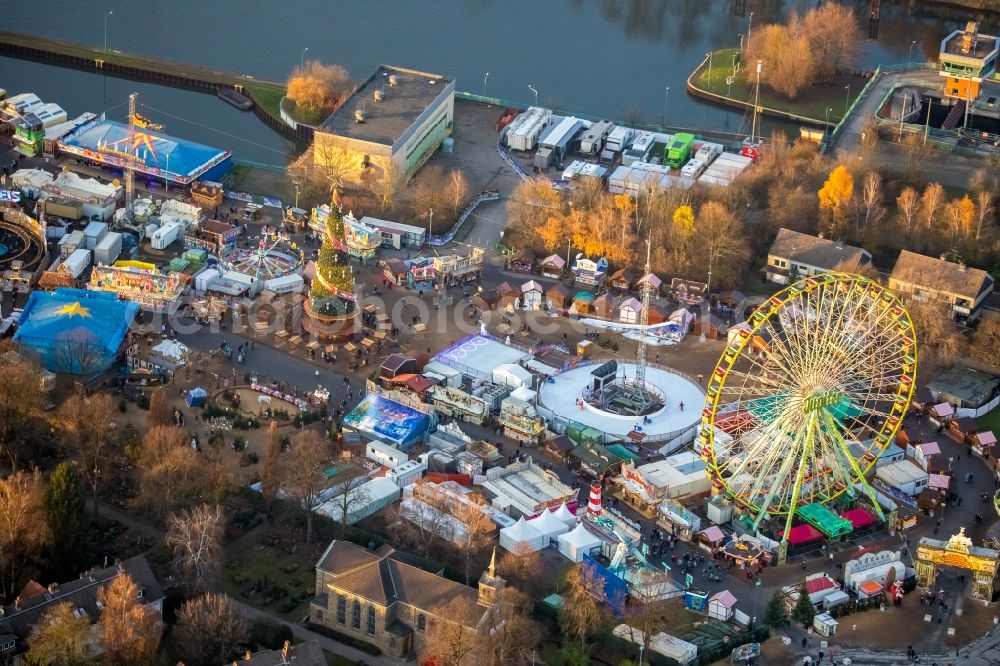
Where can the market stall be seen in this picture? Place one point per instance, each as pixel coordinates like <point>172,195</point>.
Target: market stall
<point>578,542</point>
<point>522,537</point>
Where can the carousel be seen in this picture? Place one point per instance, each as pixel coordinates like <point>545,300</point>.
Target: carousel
<point>209,309</point>
<point>276,255</point>
<point>746,551</point>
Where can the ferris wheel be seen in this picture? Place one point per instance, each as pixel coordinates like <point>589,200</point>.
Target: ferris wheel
<point>805,397</point>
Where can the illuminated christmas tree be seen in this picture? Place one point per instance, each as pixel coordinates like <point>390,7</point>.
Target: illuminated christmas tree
<point>332,291</point>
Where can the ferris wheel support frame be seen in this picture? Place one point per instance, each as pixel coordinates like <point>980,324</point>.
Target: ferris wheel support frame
<point>872,308</point>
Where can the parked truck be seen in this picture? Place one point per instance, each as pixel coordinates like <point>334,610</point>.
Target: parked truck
<point>679,149</point>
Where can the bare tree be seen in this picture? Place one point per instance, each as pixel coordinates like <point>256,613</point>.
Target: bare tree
<point>20,396</point>
<point>931,202</point>
<point>195,536</point>
<point>419,526</point>
<point>476,534</point>
<point>457,190</point>
<point>521,566</point>
<point>159,413</point>
<point>210,630</point>
<point>868,203</point>
<point>453,639</point>
<point>61,638</point>
<point>915,154</point>
<point>984,211</point>
<point>510,636</point>
<point>130,630</point>
<point>386,184</point>
<point>23,528</point>
<point>985,345</point>
<point>908,207</point>
<point>303,473</point>
<point>270,477</point>
<point>349,494</point>
<point>333,164</point>
<point>172,474</point>
<point>88,423</point>
<point>583,602</point>
<point>722,240</point>
<point>78,355</point>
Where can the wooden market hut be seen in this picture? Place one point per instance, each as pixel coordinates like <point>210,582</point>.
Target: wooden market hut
<point>689,292</point>
<point>630,311</point>
<point>507,296</point>
<point>583,301</point>
<point>983,442</point>
<point>559,447</point>
<point>655,283</point>
<point>623,280</point>
<point>420,356</point>
<point>532,295</point>
<point>963,429</point>
<point>922,401</point>
<point>523,261</point>
<point>397,364</point>
<point>395,271</point>
<point>552,266</point>
<point>730,299</point>
<point>604,306</point>
<point>708,325</point>
<point>908,435</point>
<point>657,314</point>
<point>558,296</point>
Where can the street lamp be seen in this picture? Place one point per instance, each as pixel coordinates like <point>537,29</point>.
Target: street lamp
<point>749,25</point>
<point>484,83</point>
<point>741,42</point>
<point>166,175</point>
<point>847,98</point>
<point>532,89</point>
<point>302,59</point>
<point>106,31</point>
<point>296,195</point>
<point>430,221</point>
<point>666,98</point>
<point>642,646</point>
<point>909,56</point>
<point>709,55</point>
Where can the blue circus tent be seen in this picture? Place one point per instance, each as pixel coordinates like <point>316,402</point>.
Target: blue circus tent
<point>75,331</point>
<point>196,397</point>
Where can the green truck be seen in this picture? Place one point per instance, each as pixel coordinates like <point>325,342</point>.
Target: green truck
<point>679,149</point>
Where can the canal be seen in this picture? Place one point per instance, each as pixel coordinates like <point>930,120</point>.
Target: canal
<point>607,58</point>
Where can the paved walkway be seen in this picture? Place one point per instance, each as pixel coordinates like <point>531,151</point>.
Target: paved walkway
<point>326,643</point>
<point>849,138</point>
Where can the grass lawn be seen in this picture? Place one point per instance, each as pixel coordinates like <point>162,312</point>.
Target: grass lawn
<point>336,660</point>
<point>267,95</point>
<point>990,421</point>
<point>812,102</point>
<point>290,575</point>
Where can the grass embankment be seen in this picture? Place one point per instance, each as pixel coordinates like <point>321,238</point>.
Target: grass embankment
<point>812,103</point>
<point>267,95</point>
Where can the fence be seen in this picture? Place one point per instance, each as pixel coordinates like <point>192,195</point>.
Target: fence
<point>831,139</point>
<point>942,138</point>
<point>438,241</point>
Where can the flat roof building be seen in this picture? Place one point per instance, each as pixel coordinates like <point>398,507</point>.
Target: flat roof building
<point>396,116</point>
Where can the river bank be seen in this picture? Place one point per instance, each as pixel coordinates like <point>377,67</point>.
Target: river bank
<point>265,95</point>
<point>720,79</point>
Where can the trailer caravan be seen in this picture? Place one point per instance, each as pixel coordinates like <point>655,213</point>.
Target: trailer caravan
<point>523,131</point>
<point>640,149</point>
<point>679,149</point>
<point>693,169</point>
<point>554,141</point>
<point>593,138</point>
<point>619,139</point>
<point>708,152</point>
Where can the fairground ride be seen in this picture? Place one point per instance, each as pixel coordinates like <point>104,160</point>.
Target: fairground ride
<point>807,394</point>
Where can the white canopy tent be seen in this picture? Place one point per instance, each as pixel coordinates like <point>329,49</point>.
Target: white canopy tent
<point>520,536</point>
<point>548,525</point>
<point>574,545</point>
<point>564,514</point>
<point>169,354</point>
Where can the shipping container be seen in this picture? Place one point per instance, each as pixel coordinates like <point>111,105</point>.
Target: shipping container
<point>523,131</point>
<point>558,136</point>
<point>64,208</point>
<point>76,263</point>
<point>166,235</point>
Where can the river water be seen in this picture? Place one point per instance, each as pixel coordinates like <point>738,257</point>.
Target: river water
<point>607,58</point>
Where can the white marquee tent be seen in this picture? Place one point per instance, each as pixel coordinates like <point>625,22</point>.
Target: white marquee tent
<point>521,535</point>
<point>564,514</point>
<point>548,525</point>
<point>578,543</point>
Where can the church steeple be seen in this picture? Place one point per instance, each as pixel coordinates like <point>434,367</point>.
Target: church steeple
<point>490,585</point>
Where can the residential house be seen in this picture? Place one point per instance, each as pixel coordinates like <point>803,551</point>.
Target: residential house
<point>18,619</point>
<point>385,598</point>
<point>795,255</point>
<point>921,278</point>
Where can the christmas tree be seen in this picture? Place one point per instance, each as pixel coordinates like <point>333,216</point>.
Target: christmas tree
<point>332,291</point>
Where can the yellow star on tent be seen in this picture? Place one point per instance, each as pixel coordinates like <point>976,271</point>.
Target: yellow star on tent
<point>73,310</point>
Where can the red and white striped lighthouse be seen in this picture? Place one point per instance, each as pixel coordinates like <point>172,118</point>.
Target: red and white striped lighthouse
<point>594,501</point>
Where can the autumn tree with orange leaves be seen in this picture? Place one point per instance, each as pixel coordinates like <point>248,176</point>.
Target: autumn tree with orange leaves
<point>316,90</point>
